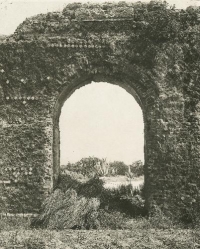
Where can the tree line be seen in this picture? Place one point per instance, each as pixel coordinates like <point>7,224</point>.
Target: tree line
<point>91,166</point>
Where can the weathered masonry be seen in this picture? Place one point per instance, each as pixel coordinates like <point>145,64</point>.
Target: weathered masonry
<point>150,50</point>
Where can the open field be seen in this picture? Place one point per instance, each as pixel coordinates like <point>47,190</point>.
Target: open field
<point>116,181</point>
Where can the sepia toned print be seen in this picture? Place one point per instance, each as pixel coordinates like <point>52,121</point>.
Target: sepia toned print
<point>150,50</point>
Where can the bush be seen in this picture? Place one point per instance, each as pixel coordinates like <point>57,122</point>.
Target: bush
<point>89,167</point>
<point>74,175</point>
<point>78,204</point>
<point>85,187</point>
<point>120,168</point>
<point>66,210</point>
<point>127,200</point>
<point>137,168</point>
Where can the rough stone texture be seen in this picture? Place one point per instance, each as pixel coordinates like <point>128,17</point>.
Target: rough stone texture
<point>149,50</point>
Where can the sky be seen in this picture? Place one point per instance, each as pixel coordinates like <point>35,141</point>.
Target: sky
<point>99,119</point>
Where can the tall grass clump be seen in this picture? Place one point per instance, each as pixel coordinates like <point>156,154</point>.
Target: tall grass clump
<point>78,203</point>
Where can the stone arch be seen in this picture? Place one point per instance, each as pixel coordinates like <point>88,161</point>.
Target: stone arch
<point>142,98</point>
<point>49,56</point>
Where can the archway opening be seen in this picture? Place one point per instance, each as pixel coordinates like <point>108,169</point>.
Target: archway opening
<point>99,150</point>
<point>103,120</point>
<point>101,126</point>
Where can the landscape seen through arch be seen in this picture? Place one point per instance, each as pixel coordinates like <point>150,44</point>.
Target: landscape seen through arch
<point>101,126</point>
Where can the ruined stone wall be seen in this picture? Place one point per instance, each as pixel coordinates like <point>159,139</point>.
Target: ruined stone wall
<point>148,49</point>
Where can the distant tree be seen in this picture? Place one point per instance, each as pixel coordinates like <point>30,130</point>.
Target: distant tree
<point>119,167</point>
<point>69,166</point>
<point>87,166</point>
<point>93,166</point>
<point>102,167</point>
<point>137,168</point>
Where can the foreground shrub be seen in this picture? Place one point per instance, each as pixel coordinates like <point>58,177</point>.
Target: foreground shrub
<point>70,211</point>
<point>65,210</point>
<point>77,203</point>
